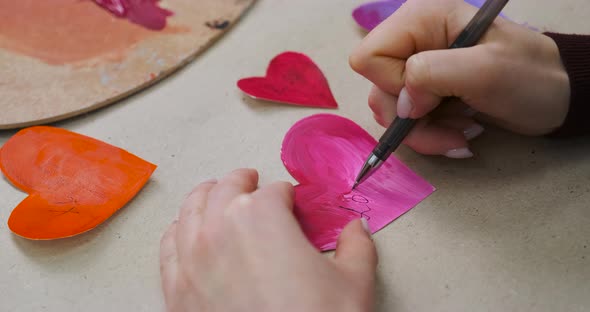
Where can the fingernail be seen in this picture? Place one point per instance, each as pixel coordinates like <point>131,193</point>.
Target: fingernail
<point>469,112</point>
<point>404,104</point>
<point>366,226</point>
<point>473,131</point>
<point>459,153</point>
<point>210,181</point>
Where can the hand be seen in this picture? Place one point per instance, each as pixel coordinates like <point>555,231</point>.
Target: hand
<point>513,78</point>
<point>235,248</point>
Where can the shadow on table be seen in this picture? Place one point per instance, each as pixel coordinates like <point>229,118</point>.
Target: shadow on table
<point>76,253</point>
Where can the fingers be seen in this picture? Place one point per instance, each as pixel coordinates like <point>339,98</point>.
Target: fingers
<point>195,201</point>
<point>267,215</point>
<point>169,263</point>
<point>383,105</point>
<point>445,133</point>
<point>468,126</point>
<point>381,56</point>
<point>274,203</point>
<point>279,194</point>
<point>432,75</point>
<point>191,215</point>
<point>407,55</point>
<point>238,182</point>
<point>355,251</point>
<point>432,138</point>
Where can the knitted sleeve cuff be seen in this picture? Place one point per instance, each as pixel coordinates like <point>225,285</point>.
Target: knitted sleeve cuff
<point>575,55</point>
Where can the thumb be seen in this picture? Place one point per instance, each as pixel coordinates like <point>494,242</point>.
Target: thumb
<point>432,75</point>
<point>355,251</point>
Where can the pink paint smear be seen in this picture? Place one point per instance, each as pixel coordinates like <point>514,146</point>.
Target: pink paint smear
<point>324,153</point>
<point>146,13</point>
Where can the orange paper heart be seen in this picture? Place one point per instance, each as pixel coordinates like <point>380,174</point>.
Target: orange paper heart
<point>74,182</point>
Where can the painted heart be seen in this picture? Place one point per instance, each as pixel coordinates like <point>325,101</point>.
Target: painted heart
<point>291,78</point>
<point>371,14</point>
<point>324,153</point>
<point>74,182</point>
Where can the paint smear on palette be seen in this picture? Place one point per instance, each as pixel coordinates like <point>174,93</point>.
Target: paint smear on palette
<point>371,14</point>
<point>291,78</point>
<point>74,182</point>
<point>68,31</point>
<point>324,153</point>
<point>143,12</point>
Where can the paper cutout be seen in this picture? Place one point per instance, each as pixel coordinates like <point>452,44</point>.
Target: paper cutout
<point>371,14</point>
<point>291,78</point>
<point>74,182</point>
<point>324,154</point>
<point>146,13</point>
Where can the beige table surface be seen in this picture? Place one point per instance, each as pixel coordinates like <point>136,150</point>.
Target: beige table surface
<point>507,231</point>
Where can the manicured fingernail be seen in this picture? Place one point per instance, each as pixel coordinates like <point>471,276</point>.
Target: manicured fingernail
<point>469,112</point>
<point>366,226</point>
<point>459,153</point>
<point>404,104</point>
<point>473,131</point>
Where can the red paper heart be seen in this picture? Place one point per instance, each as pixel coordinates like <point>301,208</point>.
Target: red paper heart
<point>291,78</point>
<point>74,182</point>
<point>324,154</point>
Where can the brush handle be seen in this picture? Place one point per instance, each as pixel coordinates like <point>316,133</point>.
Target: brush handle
<point>393,137</point>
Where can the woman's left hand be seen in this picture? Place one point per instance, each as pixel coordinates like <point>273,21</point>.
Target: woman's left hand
<point>236,248</point>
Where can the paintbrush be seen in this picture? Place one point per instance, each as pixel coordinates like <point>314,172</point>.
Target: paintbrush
<point>400,127</point>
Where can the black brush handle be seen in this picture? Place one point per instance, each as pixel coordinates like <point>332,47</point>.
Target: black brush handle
<point>393,137</point>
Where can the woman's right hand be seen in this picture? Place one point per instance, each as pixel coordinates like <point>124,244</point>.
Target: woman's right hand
<point>513,78</point>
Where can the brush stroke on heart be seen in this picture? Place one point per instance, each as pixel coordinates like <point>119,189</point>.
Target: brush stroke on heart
<point>324,153</point>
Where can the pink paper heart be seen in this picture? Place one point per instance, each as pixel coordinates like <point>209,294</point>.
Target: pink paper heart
<point>291,78</point>
<point>371,14</point>
<point>324,153</point>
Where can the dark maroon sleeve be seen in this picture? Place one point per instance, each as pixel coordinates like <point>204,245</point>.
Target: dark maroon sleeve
<point>575,54</point>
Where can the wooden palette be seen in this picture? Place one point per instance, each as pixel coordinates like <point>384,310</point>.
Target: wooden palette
<point>37,91</point>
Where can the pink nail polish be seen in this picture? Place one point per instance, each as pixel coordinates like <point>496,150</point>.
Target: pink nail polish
<point>404,104</point>
<point>459,153</point>
<point>473,131</point>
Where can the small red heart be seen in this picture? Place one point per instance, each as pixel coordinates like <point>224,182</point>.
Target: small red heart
<point>291,78</point>
<point>74,182</point>
<point>324,153</point>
